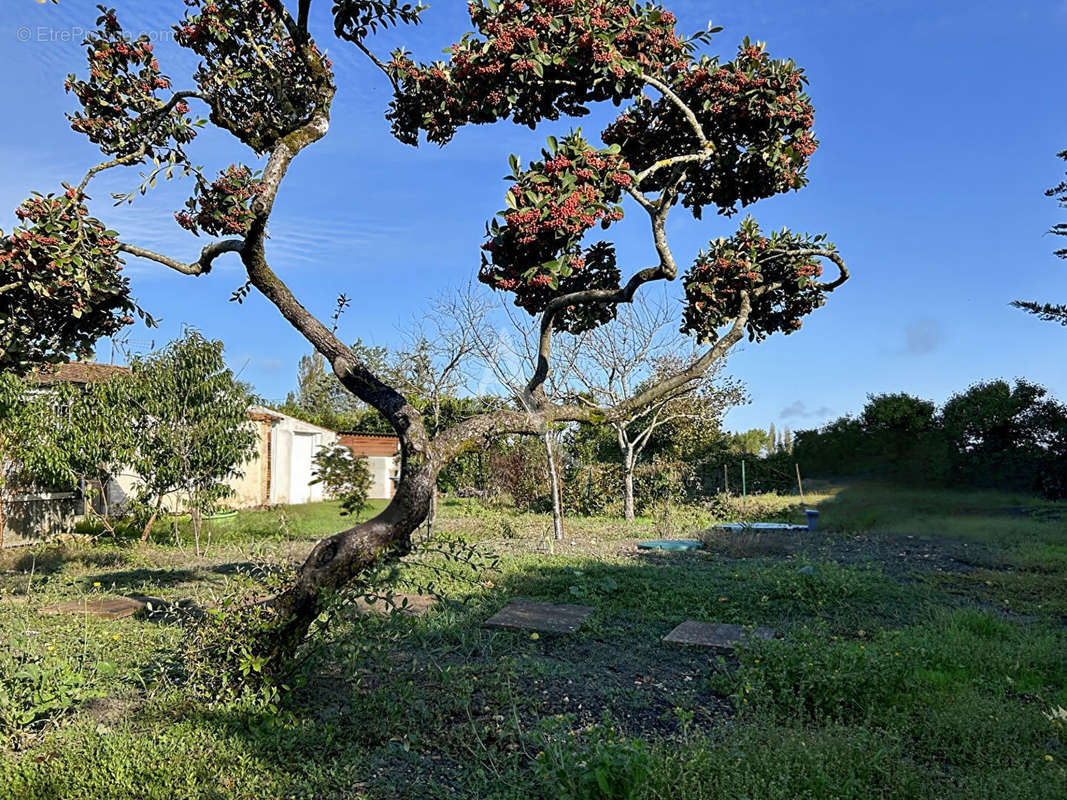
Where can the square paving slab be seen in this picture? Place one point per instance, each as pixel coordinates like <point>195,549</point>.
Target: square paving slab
<point>714,634</point>
<point>546,617</point>
<point>106,608</point>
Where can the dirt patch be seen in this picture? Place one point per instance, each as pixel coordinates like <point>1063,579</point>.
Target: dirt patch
<point>898,554</point>
<point>639,684</point>
<point>110,710</point>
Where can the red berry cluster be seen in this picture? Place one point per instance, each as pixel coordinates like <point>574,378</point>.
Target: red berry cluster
<point>539,59</point>
<point>751,262</point>
<point>534,248</point>
<point>223,207</point>
<point>68,288</point>
<point>119,102</point>
<point>262,86</point>
<point>752,109</point>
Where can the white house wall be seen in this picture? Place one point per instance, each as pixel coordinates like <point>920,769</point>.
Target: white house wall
<point>249,488</point>
<point>381,470</point>
<point>282,477</point>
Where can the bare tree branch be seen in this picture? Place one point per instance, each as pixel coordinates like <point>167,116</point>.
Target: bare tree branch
<point>667,269</point>
<point>202,266</point>
<point>689,114</point>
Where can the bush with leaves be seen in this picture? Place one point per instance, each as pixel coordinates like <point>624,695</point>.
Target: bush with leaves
<point>592,489</point>
<point>191,427</point>
<point>32,453</point>
<point>343,477</point>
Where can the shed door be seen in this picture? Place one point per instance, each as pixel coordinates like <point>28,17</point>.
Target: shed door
<point>300,468</point>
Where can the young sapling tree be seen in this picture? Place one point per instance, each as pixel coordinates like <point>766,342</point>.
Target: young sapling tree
<point>343,477</point>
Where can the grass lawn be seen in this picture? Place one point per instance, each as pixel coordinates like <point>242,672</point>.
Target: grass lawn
<point>923,651</point>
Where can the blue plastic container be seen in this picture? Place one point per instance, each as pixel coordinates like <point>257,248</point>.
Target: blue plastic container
<point>671,544</point>
<point>813,519</point>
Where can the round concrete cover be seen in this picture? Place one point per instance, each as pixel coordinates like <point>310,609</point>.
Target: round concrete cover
<point>671,544</point>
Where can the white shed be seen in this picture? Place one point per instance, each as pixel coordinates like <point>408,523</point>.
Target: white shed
<point>288,445</point>
<point>279,473</point>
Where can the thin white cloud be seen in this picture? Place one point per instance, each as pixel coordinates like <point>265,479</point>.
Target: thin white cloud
<point>799,409</point>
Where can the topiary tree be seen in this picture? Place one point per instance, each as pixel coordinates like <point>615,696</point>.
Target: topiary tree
<point>344,477</point>
<point>713,134</point>
<point>61,282</point>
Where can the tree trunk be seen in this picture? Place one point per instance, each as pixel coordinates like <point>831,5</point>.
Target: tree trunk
<point>152,521</point>
<point>431,517</point>
<point>335,561</point>
<point>195,519</point>
<point>3,523</point>
<point>557,500</point>
<point>628,485</point>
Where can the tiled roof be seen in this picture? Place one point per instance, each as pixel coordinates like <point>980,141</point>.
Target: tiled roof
<point>77,372</point>
<point>264,414</point>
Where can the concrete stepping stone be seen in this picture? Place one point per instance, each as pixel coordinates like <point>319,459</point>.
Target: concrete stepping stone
<point>106,608</point>
<point>417,605</point>
<point>715,635</point>
<point>544,617</point>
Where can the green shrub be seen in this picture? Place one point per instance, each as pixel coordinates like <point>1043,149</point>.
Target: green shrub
<point>37,691</point>
<point>343,477</point>
<point>595,763</point>
<point>662,482</point>
<point>592,489</point>
<point>818,677</point>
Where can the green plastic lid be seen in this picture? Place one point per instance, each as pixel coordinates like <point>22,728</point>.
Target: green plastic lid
<point>671,544</point>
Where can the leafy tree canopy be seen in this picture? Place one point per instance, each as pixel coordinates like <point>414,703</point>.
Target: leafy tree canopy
<point>718,134</point>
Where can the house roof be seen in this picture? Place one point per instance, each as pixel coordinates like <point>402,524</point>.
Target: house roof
<point>368,434</point>
<point>263,414</point>
<point>272,415</point>
<point>76,372</point>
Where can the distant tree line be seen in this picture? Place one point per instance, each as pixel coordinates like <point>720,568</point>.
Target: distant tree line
<point>993,435</point>
<point>671,450</point>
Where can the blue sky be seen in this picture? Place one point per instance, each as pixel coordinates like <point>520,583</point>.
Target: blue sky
<point>939,124</point>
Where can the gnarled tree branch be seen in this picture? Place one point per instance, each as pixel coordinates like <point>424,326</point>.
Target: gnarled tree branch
<point>202,266</point>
